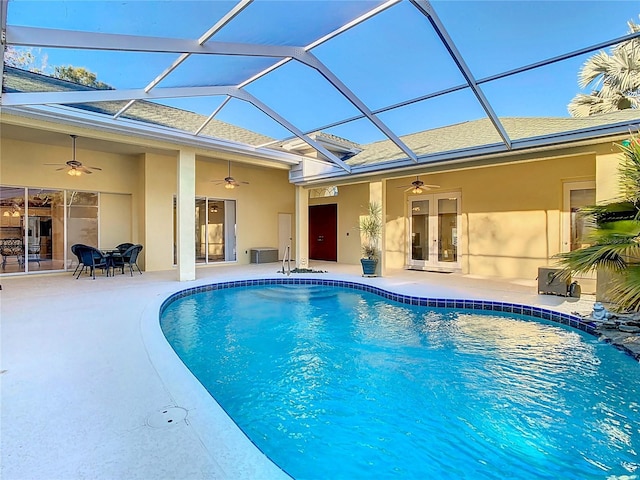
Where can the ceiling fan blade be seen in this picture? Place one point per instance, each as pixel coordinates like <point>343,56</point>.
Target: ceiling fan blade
<point>61,168</point>
<point>83,169</point>
<point>95,168</point>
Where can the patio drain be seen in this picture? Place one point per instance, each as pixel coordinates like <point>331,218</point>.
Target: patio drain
<point>167,417</point>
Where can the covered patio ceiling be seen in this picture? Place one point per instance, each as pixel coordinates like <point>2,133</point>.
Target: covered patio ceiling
<point>371,75</point>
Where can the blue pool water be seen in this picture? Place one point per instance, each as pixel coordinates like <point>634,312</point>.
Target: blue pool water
<point>335,383</point>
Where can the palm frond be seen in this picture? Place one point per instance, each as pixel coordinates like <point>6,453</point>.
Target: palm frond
<point>626,289</point>
<point>611,257</point>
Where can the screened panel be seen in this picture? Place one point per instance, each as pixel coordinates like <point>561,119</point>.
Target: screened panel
<point>382,55</point>
<point>441,111</point>
<point>543,92</point>
<point>117,70</point>
<point>303,96</point>
<point>384,65</point>
<point>239,112</point>
<point>183,19</point>
<point>361,131</point>
<point>217,70</point>
<point>497,36</point>
<point>291,23</point>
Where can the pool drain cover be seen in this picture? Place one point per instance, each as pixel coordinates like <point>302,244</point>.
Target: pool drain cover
<point>166,417</point>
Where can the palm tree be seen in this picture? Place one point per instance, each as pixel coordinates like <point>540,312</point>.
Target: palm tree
<point>615,79</point>
<point>614,244</point>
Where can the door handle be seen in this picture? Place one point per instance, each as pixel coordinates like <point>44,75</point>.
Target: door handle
<point>321,238</point>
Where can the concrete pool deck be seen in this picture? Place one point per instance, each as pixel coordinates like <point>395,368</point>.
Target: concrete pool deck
<point>90,388</point>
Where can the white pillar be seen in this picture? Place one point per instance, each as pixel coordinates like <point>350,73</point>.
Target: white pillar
<point>377,196</point>
<point>186,215</point>
<point>302,227</point>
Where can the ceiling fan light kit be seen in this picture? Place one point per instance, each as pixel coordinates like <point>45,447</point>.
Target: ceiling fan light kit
<point>229,182</point>
<point>75,167</point>
<point>418,186</point>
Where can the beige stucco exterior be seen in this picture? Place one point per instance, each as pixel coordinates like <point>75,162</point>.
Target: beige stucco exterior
<point>511,220</point>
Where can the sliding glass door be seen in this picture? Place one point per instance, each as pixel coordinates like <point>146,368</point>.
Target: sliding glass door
<point>215,230</point>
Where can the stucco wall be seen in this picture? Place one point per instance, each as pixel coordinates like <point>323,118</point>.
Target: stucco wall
<point>511,221</point>
<point>257,204</point>
<point>149,182</point>
<point>159,188</point>
<point>23,164</point>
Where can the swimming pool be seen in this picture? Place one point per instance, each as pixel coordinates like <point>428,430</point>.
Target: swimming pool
<point>338,382</point>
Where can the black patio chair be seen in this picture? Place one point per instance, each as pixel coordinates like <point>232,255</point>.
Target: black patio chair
<point>123,247</point>
<point>130,258</point>
<point>74,250</point>
<point>91,258</point>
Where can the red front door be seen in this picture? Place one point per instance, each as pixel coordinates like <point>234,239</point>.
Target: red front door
<point>323,232</point>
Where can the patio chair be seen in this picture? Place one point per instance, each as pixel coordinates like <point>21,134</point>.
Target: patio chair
<point>130,258</point>
<point>123,247</point>
<point>74,250</point>
<point>91,258</point>
<point>11,247</point>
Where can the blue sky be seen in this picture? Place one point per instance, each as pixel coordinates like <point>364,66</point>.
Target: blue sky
<point>388,59</point>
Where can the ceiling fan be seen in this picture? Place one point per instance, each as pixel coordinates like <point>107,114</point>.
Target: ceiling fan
<point>75,168</point>
<point>417,186</point>
<point>230,182</point>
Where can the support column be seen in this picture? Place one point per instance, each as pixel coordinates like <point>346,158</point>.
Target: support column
<point>377,196</point>
<point>186,216</point>
<point>302,227</point>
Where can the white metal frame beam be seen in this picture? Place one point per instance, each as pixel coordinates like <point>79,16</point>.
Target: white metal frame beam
<point>425,7</point>
<point>3,38</point>
<point>311,61</point>
<point>43,37</point>
<point>49,37</point>
<point>239,7</point>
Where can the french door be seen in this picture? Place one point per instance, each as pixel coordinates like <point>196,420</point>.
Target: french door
<point>434,229</point>
<point>575,231</point>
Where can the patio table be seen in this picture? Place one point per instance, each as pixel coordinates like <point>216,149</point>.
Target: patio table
<point>111,256</point>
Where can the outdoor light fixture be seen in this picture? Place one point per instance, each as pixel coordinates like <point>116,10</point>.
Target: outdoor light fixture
<point>74,172</point>
<point>229,186</point>
<point>6,213</point>
<point>416,190</point>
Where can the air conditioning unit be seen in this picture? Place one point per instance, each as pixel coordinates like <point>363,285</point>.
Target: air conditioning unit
<point>550,284</point>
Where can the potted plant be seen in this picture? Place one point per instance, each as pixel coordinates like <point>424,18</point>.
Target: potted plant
<point>370,231</point>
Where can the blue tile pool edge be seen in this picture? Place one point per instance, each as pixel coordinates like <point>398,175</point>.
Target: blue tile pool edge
<point>467,304</point>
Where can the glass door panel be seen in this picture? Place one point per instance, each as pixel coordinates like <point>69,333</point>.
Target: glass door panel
<point>420,212</point>
<point>201,230</point>
<point>230,230</point>
<point>216,235</point>
<point>12,210</point>
<point>579,229</point>
<point>82,221</point>
<point>215,230</point>
<point>575,231</point>
<point>45,223</point>
<point>448,230</point>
